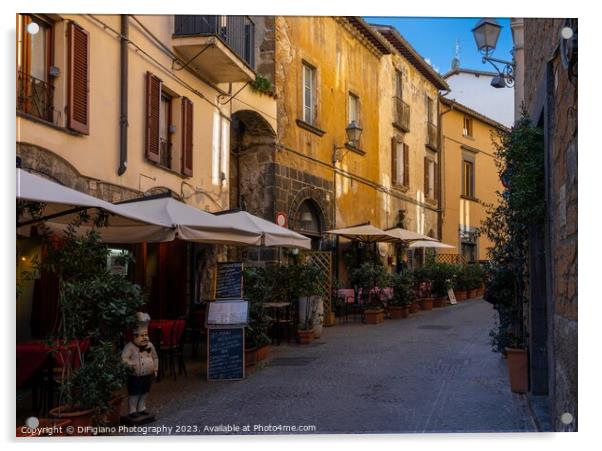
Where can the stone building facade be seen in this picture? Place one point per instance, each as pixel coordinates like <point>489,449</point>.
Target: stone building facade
<point>550,97</point>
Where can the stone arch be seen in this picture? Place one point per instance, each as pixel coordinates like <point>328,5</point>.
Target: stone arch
<point>318,201</point>
<point>252,169</point>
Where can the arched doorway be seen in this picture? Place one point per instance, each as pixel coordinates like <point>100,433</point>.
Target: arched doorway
<point>310,222</point>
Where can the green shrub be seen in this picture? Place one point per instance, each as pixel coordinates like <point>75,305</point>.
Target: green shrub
<point>402,289</point>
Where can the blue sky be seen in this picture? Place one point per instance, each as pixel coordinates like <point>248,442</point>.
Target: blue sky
<point>435,39</point>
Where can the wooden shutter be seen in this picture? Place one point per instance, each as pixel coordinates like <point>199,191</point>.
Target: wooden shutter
<point>406,165</point>
<point>79,79</point>
<point>426,177</point>
<point>153,104</point>
<point>187,121</point>
<point>394,161</point>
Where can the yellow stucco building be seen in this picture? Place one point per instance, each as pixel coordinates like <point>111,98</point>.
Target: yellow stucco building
<point>469,180</point>
<point>125,106</point>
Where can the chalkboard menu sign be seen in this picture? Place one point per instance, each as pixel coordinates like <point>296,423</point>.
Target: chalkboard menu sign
<point>226,354</point>
<point>228,280</point>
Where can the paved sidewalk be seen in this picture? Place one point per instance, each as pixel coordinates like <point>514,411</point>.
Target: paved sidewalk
<point>433,372</point>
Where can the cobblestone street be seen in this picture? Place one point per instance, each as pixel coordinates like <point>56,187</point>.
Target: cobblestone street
<point>433,372</point>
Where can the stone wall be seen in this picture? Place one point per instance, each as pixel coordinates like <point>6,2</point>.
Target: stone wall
<point>547,79</point>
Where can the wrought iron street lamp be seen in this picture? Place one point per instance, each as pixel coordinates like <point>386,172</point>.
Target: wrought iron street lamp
<point>486,33</point>
<point>354,133</point>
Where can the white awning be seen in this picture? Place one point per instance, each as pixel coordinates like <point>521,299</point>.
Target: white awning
<point>366,233</point>
<point>271,234</point>
<point>408,235</point>
<point>431,244</point>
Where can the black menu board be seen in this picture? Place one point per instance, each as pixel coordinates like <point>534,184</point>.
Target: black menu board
<point>228,283</point>
<point>226,354</point>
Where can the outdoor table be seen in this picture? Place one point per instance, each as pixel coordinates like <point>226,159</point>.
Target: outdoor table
<point>32,356</point>
<point>278,307</point>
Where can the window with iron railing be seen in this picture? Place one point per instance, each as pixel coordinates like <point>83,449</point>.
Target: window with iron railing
<point>34,97</point>
<point>402,114</point>
<point>237,32</point>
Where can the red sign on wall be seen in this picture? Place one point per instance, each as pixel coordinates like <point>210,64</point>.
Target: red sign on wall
<point>281,219</point>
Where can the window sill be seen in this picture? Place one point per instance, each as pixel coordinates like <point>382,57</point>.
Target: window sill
<point>311,128</point>
<point>49,124</point>
<point>469,137</point>
<point>166,169</point>
<point>430,201</point>
<point>432,147</point>
<point>470,198</point>
<point>401,188</point>
<point>357,150</point>
<point>400,127</point>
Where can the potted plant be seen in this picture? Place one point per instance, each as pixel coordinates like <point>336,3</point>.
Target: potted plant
<point>474,275</point>
<point>306,281</point>
<point>96,307</point>
<point>441,276</point>
<point>258,289</point>
<point>370,277</point>
<point>403,296</point>
<point>461,283</point>
<point>422,286</point>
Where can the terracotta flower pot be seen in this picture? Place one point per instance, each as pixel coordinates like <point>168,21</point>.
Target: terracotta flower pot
<point>250,356</point>
<point>439,302</point>
<point>79,418</point>
<point>47,427</point>
<point>414,307</point>
<point>518,369</point>
<point>404,311</point>
<point>261,353</point>
<point>114,415</point>
<point>374,316</point>
<point>395,311</point>
<point>426,303</point>
<point>461,295</point>
<point>305,336</point>
<point>472,293</point>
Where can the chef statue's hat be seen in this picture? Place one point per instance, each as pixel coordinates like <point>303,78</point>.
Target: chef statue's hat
<point>142,320</point>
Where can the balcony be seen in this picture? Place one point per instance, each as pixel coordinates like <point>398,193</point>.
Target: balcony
<point>431,136</point>
<point>402,114</point>
<point>221,48</point>
<point>34,97</point>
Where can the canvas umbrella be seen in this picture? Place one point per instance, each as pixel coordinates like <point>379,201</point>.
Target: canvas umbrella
<point>431,244</point>
<point>408,235</point>
<point>61,205</point>
<point>271,233</point>
<point>365,233</point>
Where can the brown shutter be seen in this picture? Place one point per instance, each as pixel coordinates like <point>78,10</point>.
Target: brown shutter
<point>153,104</point>
<point>393,161</point>
<point>426,177</point>
<point>406,165</point>
<point>79,79</point>
<point>187,122</point>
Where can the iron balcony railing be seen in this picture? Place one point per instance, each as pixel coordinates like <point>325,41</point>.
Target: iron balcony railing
<point>34,96</point>
<point>431,135</point>
<point>237,32</point>
<point>402,114</point>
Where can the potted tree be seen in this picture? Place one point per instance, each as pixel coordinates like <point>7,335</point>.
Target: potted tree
<point>305,278</point>
<point>441,276</point>
<point>258,283</point>
<point>403,296</point>
<point>461,283</point>
<point>422,286</point>
<point>370,277</point>
<point>96,307</point>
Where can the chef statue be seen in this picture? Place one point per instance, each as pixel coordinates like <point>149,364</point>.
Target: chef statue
<point>140,355</point>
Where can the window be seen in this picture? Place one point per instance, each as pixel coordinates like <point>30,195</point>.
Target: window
<point>468,179</point>
<point>161,130</point>
<point>467,127</point>
<point>354,109</point>
<point>34,58</point>
<point>398,84</point>
<point>400,174</point>
<point>430,113</point>
<point>309,94</point>
<point>220,150</point>
<point>430,178</point>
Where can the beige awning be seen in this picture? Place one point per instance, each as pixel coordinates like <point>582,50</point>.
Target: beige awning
<point>365,233</point>
<point>408,235</point>
<point>61,205</point>
<point>271,233</point>
<point>431,244</point>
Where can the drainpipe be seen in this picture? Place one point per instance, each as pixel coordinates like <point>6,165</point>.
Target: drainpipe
<point>440,165</point>
<point>123,101</point>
